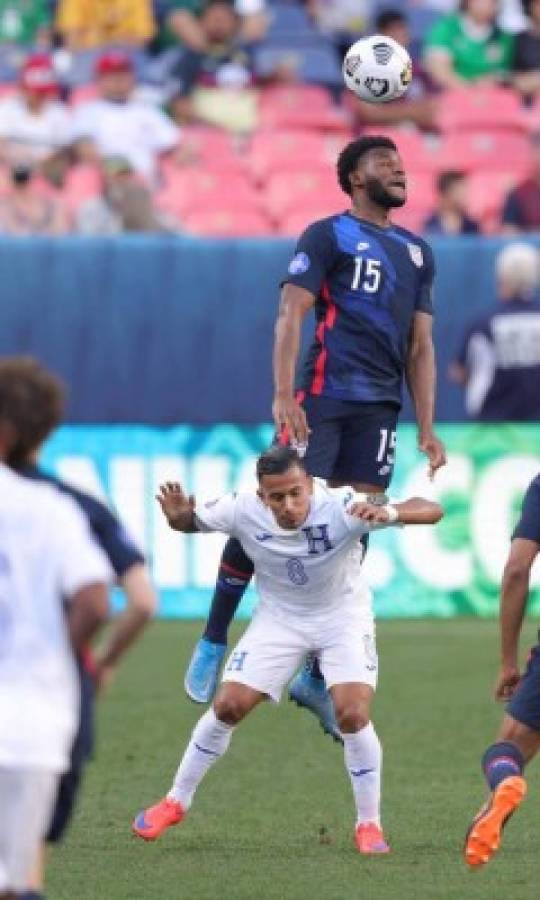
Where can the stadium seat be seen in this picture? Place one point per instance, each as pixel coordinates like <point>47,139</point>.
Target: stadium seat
<point>273,151</point>
<point>293,223</point>
<point>190,189</point>
<point>481,150</point>
<point>419,152</point>
<point>300,106</point>
<point>227,223</point>
<point>487,192</point>
<point>82,183</point>
<point>84,93</point>
<point>316,63</point>
<point>289,22</point>
<point>475,108</point>
<point>211,147</point>
<point>287,190</point>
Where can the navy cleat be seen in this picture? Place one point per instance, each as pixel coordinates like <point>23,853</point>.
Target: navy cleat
<point>311,693</point>
<point>202,674</point>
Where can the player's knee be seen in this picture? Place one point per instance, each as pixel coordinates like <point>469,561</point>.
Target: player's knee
<point>229,709</point>
<point>351,718</point>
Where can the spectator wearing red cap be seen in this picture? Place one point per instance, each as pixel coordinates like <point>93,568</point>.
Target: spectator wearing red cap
<point>117,124</point>
<point>34,123</point>
<point>87,24</point>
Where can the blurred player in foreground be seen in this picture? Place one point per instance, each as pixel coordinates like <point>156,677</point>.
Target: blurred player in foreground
<point>39,399</point>
<point>370,285</point>
<point>300,536</point>
<point>518,740</point>
<point>48,561</point>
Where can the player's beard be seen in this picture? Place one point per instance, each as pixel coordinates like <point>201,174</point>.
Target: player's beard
<point>378,194</point>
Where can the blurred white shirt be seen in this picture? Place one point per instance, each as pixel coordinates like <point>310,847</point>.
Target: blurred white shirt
<point>137,131</point>
<point>47,554</point>
<point>33,137</point>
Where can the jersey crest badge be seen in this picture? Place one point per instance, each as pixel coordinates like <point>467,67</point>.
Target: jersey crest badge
<point>415,252</point>
<point>299,264</point>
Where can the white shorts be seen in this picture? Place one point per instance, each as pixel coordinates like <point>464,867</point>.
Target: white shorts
<point>27,799</point>
<point>271,650</point>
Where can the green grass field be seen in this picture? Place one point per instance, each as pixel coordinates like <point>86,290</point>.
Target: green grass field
<point>254,830</point>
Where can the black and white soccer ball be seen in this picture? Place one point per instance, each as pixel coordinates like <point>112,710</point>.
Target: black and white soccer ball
<point>377,69</point>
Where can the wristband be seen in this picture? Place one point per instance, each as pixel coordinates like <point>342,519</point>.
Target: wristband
<point>392,512</point>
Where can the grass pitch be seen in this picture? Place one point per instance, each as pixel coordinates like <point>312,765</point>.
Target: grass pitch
<point>274,819</point>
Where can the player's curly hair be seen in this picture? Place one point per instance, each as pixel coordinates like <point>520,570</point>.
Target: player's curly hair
<point>31,401</point>
<point>277,460</point>
<point>351,155</point>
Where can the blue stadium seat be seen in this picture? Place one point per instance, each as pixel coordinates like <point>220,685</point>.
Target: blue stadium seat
<point>290,22</point>
<point>317,63</point>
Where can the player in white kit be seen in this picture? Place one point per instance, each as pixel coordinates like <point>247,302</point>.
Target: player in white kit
<point>47,558</point>
<point>303,539</point>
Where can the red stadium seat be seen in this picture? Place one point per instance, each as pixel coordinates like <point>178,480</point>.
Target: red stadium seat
<point>82,183</point>
<point>188,190</point>
<point>287,190</point>
<point>271,151</point>
<point>83,94</point>
<point>292,224</point>
<point>227,223</point>
<point>475,108</point>
<point>487,192</point>
<point>7,89</point>
<point>211,147</point>
<point>300,106</point>
<point>419,153</point>
<point>482,150</point>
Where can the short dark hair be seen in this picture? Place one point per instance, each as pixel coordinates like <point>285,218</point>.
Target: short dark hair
<point>277,460</point>
<point>388,17</point>
<point>351,155</point>
<point>31,401</point>
<point>448,178</point>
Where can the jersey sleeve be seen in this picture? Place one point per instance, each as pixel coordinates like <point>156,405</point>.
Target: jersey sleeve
<point>218,515</point>
<point>424,297</point>
<point>439,37</point>
<point>80,561</point>
<point>528,526</point>
<point>313,258</point>
<point>114,539</point>
<point>358,527</point>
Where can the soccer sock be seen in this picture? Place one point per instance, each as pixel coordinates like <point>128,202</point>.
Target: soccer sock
<point>501,761</point>
<point>234,575</point>
<point>210,740</point>
<point>363,759</point>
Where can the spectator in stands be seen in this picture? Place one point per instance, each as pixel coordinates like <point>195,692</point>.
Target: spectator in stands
<point>521,210</point>
<point>213,84</point>
<point>86,24</point>
<point>183,23</point>
<point>526,61</point>
<point>344,21</point>
<point>117,124</point>
<point>450,216</point>
<point>25,210</point>
<point>468,46</point>
<point>419,106</point>
<point>25,22</point>
<point>124,205</point>
<point>499,360</point>
<point>33,122</point>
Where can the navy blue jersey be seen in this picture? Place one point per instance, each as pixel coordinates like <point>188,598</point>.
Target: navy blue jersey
<point>108,531</point>
<point>501,353</point>
<point>528,526</point>
<point>368,283</point>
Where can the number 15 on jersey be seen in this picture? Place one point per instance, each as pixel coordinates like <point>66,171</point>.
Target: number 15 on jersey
<point>367,275</point>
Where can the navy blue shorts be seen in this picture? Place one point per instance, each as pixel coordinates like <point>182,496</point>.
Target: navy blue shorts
<point>80,752</point>
<point>525,704</point>
<point>351,442</point>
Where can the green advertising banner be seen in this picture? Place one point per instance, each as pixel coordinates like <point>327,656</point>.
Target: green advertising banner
<point>452,569</point>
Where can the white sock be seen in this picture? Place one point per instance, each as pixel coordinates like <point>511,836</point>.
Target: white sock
<point>210,740</point>
<point>363,759</point>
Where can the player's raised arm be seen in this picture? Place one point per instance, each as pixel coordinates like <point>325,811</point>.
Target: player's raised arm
<point>295,303</point>
<point>178,508</point>
<point>416,511</point>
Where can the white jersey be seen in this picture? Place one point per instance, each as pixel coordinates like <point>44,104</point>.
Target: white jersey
<point>47,554</point>
<point>309,571</point>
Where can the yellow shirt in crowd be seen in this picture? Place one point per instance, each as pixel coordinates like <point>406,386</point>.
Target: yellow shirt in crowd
<point>94,23</point>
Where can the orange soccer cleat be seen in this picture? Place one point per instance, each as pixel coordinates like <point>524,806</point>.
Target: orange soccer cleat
<point>152,822</point>
<point>484,836</point>
<point>369,838</point>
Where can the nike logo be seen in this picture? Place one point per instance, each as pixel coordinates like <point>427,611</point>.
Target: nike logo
<point>358,772</point>
<point>264,536</point>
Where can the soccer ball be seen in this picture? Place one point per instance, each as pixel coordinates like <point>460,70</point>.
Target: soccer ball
<point>377,69</point>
